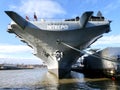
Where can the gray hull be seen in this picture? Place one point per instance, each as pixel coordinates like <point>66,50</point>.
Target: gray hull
<point>47,43</point>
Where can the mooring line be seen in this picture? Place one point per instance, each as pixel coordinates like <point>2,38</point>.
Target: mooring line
<point>83,52</point>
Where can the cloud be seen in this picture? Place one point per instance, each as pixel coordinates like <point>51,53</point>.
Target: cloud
<point>108,41</point>
<point>43,8</point>
<point>16,51</point>
<point>11,60</point>
<point>17,54</point>
<point>112,6</point>
<point>8,48</point>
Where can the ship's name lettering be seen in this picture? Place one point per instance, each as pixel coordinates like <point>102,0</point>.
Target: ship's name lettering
<point>58,27</point>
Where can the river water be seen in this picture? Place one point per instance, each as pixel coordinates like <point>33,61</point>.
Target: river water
<point>41,79</point>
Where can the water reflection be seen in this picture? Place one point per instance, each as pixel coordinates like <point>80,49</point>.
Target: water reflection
<point>21,78</point>
<point>40,79</point>
<point>105,84</point>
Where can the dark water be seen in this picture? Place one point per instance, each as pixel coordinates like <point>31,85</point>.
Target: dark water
<point>40,79</point>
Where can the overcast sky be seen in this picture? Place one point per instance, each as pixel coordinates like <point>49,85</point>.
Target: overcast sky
<point>12,47</point>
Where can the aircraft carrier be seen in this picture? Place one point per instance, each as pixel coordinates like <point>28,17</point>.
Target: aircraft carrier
<point>59,43</point>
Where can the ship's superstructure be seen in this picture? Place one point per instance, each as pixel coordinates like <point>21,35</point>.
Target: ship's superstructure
<point>49,39</point>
